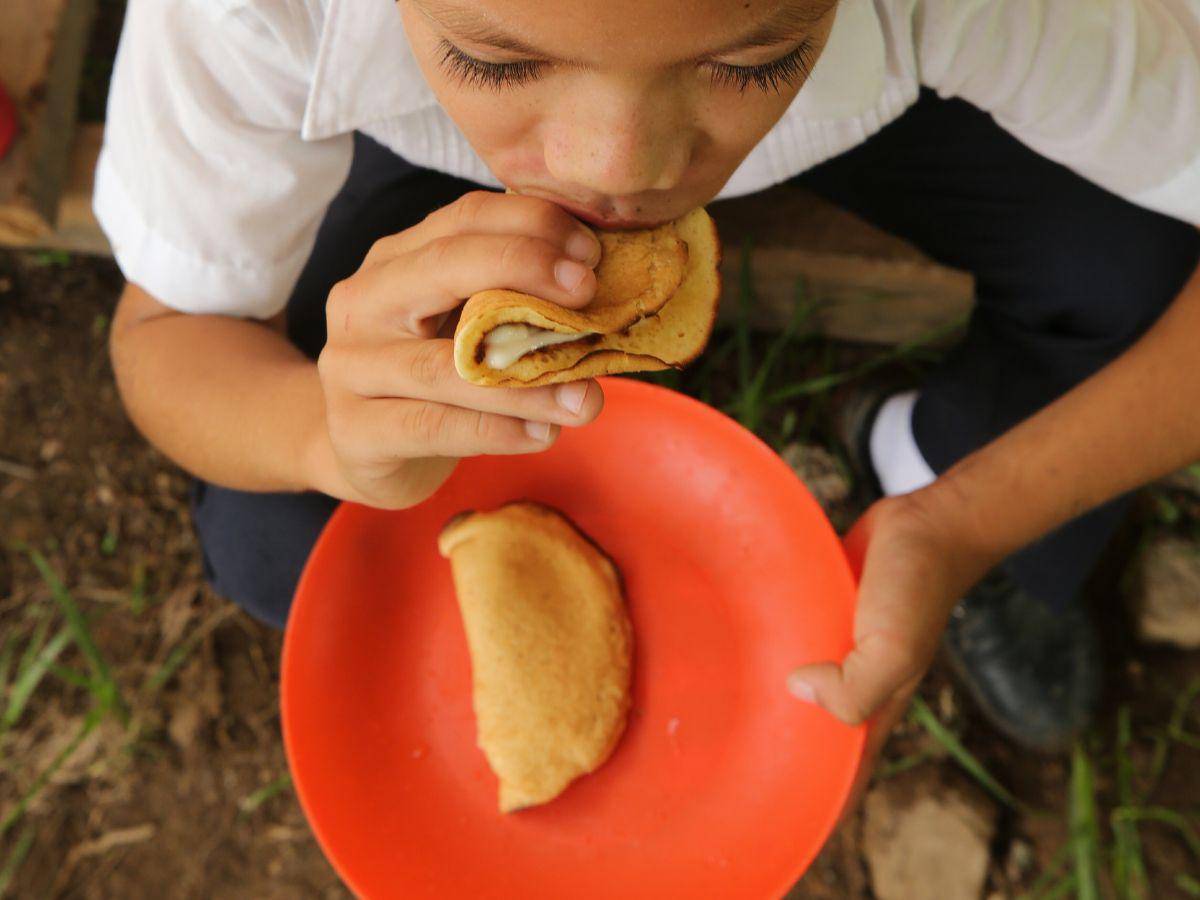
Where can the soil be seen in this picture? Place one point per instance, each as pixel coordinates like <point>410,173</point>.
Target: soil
<point>156,810</point>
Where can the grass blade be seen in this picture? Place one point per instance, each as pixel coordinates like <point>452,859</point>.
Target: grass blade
<point>1185,883</point>
<point>36,641</point>
<point>93,719</point>
<point>1064,888</point>
<point>1163,816</point>
<point>924,716</point>
<point>1085,830</point>
<point>1044,881</point>
<point>7,655</point>
<point>265,793</point>
<point>31,677</point>
<point>1162,743</point>
<point>13,864</point>
<point>184,648</point>
<point>901,351</point>
<point>1129,869</point>
<point>104,686</point>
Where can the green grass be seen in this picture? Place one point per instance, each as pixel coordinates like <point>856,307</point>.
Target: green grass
<point>272,789</point>
<point>1129,869</point>
<point>103,687</point>
<point>15,857</point>
<point>924,716</point>
<point>1085,826</point>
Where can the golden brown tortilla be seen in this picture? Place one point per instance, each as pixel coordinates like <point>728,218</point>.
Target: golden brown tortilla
<point>551,646</point>
<point>656,301</point>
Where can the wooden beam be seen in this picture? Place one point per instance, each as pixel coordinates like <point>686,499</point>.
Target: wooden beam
<point>868,285</point>
<point>42,44</point>
<point>77,230</point>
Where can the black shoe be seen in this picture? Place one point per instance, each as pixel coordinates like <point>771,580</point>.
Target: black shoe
<point>1035,673</point>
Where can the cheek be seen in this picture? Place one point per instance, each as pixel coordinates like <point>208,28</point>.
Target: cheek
<point>504,130</point>
<point>736,122</point>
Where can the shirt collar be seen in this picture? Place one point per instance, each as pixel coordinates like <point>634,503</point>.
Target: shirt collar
<point>849,77</point>
<point>365,70</point>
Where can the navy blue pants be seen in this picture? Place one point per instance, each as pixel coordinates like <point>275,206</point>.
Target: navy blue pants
<point>1067,276</point>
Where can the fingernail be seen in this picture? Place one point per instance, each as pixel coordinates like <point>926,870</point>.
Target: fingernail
<point>801,689</point>
<point>569,273</point>
<point>571,396</point>
<point>539,431</point>
<point>583,246</point>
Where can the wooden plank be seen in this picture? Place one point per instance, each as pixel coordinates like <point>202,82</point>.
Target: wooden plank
<point>869,285</point>
<point>42,44</point>
<point>77,230</point>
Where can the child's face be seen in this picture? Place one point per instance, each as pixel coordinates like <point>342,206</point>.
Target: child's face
<point>625,111</point>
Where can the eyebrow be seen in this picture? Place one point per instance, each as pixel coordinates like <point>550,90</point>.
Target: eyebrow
<point>790,21</point>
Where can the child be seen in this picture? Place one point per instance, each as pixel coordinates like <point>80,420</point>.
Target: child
<point>291,189</point>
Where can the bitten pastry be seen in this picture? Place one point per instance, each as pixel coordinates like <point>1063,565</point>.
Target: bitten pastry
<point>655,304</point>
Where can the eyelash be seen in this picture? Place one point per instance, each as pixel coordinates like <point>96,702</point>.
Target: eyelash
<point>767,77</point>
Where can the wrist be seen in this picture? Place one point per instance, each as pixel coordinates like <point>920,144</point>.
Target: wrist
<point>948,514</point>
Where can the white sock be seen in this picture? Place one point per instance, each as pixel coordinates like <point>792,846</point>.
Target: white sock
<point>897,460</point>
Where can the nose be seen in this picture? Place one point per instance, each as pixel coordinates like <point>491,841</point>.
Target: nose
<point>620,141</point>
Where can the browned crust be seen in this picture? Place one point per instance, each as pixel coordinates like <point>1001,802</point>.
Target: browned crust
<point>648,345</point>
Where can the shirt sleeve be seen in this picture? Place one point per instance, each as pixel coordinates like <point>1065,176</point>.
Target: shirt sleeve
<point>1109,88</point>
<point>209,196</point>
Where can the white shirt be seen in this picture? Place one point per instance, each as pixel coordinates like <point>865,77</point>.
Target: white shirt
<point>230,121</point>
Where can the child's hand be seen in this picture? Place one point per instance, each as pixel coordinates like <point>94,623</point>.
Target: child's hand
<point>398,414</point>
<point>913,568</point>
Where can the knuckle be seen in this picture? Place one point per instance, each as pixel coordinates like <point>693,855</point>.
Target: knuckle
<point>487,431</point>
<point>426,422</point>
<point>549,219</point>
<point>468,208</point>
<point>520,250</point>
<point>384,247</point>
<point>427,364</point>
<point>438,252</point>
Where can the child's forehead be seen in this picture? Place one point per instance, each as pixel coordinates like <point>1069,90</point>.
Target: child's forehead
<point>591,31</point>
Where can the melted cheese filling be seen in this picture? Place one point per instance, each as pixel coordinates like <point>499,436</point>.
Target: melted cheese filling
<point>505,344</point>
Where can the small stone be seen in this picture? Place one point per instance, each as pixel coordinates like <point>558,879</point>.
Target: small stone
<point>947,708</point>
<point>1165,592</point>
<point>50,449</point>
<point>926,835</point>
<point>819,471</point>
<point>105,495</point>
<point>1019,862</point>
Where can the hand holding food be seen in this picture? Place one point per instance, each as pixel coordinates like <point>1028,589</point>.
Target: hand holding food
<point>398,415</point>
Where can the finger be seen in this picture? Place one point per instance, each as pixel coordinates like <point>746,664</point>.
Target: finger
<point>424,370</point>
<point>410,429</point>
<point>408,293</point>
<point>488,212</point>
<point>853,691</point>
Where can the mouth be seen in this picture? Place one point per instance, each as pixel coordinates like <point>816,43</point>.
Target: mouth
<point>599,218</point>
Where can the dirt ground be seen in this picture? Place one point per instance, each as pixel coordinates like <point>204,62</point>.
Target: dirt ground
<point>187,799</point>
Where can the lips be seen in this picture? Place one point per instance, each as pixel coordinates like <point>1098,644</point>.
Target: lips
<point>598,218</point>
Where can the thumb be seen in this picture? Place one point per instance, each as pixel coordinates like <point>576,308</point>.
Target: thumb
<point>855,690</point>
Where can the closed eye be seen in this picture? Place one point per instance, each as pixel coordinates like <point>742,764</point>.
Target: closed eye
<point>788,70</point>
<point>772,77</point>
